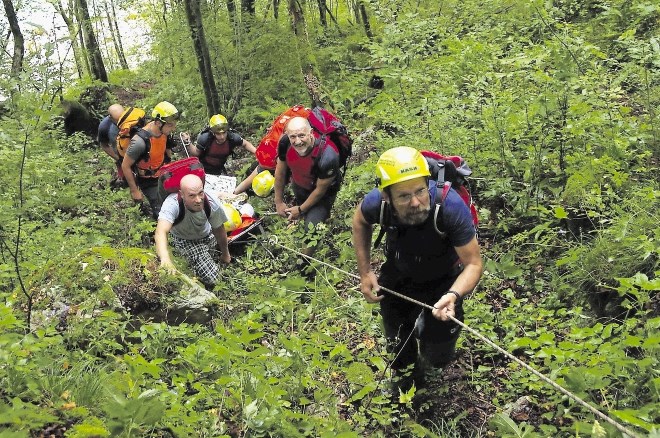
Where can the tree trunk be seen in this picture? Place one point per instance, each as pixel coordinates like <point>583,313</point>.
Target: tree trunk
<point>194,16</point>
<point>116,36</point>
<point>322,13</point>
<point>276,8</point>
<point>73,6</point>
<point>297,17</point>
<point>81,64</point>
<point>96,61</point>
<point>365,20</point>
<point>19,42</point>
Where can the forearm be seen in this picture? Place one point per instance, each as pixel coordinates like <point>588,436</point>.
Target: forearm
<point>317,194</point>
<point>128,174</point>
<point>322,187</point>
<point>222,240</point>
<point>109,150</point>
<point>249,147</point>
<point>280,180</point>
<point>467,280</point>
<point>162,251</point>
<point>472,268</point>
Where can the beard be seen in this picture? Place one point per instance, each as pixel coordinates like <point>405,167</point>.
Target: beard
<point>415,216</point>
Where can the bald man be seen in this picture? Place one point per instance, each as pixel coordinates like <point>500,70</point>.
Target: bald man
<point>195,221</point>
<point>315,172</point>
<point>107,138</point>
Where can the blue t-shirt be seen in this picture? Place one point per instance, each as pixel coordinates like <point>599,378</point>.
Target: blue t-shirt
<point>108,131</point>
<point>419,251</point>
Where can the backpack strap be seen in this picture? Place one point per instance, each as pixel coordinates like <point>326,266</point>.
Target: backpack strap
<point>182,209</point>
<point>125,116</point>
<point>437,214</point>
<point>147,143</point>
<point>384,212</point>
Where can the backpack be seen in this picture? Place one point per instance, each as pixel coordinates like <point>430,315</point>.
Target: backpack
<point>267,149</point>
<point>169,181</point>
<point>129,123</point>
<point>329,126</point>
<point>449,171</point>
<point>330,130</point>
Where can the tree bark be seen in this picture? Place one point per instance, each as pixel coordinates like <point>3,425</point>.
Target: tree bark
<point>365,20</point>
<point>297,17</point>
<point>19,42</point>
<point>276,8</point>
<point>73,6</point>
<point>194,16</point>
<point>81,64</point>
<point>322,12</point>
<point>96,61</point>
<point>116,35</point>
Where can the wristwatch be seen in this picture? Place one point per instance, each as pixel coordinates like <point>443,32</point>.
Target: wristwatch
<point>459,297</point>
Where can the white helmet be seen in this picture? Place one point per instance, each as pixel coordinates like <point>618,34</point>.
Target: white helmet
<point>246,210</point>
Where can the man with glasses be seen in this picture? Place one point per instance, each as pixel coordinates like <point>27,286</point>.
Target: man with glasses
<point>150,148</point>
<point>435,260</point>
<point>215,144</point>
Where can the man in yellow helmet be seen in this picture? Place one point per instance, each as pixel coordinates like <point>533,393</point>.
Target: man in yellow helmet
<point>149,149</point>
<point>215,144</point>
<point>435,260</point>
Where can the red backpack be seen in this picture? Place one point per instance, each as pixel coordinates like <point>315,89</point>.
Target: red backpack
<point>327,124</point>
<point>451,172</point>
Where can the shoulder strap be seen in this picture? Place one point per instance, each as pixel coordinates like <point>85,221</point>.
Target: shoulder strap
<point>384,212</point>
<point>437,214</point>
<point>147,143</point>
<point>182,209</point>
<point>125,116</point>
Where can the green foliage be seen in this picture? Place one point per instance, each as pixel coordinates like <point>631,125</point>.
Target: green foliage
<point>554,105</point>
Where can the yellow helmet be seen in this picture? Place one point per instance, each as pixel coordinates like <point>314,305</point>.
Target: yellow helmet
<point>218,124</point>
<point>234,219</point>
<point>262,184</point>
<point>400,164</point>
<point>165,112</point>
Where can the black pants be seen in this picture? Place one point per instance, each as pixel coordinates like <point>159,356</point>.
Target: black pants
<point>149,188</point>
<point>433,342</point>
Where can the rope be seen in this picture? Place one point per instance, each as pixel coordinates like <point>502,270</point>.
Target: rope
<point>474,332</point>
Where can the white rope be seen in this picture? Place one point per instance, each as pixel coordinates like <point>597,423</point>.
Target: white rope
<point>474,332</point>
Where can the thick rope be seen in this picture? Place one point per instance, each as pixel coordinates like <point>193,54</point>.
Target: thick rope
<point>538,374</point>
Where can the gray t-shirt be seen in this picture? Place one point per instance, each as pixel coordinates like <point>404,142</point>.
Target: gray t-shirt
<point>194,225</point>
<point>137,147</point>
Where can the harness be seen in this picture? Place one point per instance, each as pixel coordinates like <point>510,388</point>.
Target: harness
<point>148,165</point>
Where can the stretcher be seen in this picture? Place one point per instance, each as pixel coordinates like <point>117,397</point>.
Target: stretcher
<point>243,234</point>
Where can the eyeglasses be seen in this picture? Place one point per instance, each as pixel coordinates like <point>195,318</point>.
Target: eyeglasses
<point>405,198</point>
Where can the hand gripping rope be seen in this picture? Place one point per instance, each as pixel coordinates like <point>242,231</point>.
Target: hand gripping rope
<point>620,427</point>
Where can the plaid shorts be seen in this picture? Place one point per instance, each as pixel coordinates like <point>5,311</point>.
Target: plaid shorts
<point>198,253</point>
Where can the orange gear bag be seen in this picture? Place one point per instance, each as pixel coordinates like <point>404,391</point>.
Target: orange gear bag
<point>130,121</point>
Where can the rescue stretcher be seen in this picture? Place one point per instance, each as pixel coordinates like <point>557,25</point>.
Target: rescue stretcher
<point>223,186</point>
